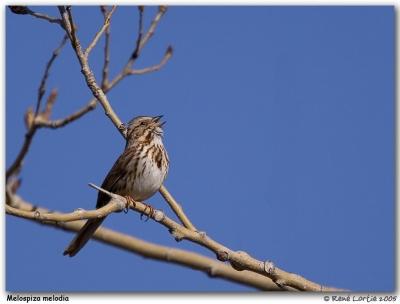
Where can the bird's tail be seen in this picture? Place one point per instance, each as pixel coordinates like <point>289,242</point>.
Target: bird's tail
<point>83,236</point>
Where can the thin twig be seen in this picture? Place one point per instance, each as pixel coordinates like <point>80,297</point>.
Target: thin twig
<point>96,38</point>
<point>140,43</point>
<point>177,208</point>
<point>161,11</point>
<point>142,40</point>
<point>91,105</point>
<point>16,165</point>
<point>55,124</point>
<point>79,214</point>
<point>106,87</point>
<point>167,56</point>
<point>42,86</point>
<point>46,17</point>
<point>25,10</point>
<point>135,53</point>
<point>105,72</point>
<point>49,105</point>
<point>32,127</point>
<point>97,92</point>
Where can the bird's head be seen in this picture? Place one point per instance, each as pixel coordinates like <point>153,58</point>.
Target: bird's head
<point>144,129</point>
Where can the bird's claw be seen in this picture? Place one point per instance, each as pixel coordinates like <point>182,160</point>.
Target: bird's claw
<point>150,214</point>
<point>129,200</point>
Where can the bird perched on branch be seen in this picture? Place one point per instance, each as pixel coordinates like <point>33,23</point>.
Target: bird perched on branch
<point>137,174</point>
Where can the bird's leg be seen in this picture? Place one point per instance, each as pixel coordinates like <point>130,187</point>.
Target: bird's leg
<point>129,200</point>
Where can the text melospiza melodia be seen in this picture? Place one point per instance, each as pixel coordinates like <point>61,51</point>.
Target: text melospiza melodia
<point>138,173</point>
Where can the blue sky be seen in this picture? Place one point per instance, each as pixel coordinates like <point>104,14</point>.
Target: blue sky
<point>280,131</point>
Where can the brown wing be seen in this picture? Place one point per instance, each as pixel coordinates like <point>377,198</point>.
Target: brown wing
<point>114,181</point>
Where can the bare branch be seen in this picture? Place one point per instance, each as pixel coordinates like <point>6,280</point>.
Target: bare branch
<point>79,214</point>
<point>177,208</point>
<point>167,56</point>
<point>105,72</point>
<point>239,260</point>
<point>161,11</point>
<point>42,86</point>
<point>16,165</point>
<point>67,18</point>
<point>46,17</point>
<point>135,53</point>
<point>42,121</point>
<point>140,43</point>
<point>49,104</point>
<point>96,38</point>
<point>91,105</point>
<point>55,124</point>
<point>106,86</point>
<point>24,10</point>
<point>134,245</point>
<point>30,117</point>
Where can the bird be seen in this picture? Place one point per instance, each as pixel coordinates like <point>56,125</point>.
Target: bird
<point>137,174</point>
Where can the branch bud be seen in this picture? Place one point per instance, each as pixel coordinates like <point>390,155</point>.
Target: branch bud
<point>163,8</point>
<point>269,267</point>
<point>29,117</point>
<point>19,9</point>
<point>158,215</point>
<point>178,236</point>
<point>222,255</point>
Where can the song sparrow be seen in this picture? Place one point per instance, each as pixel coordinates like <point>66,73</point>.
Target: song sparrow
<point>138,173</point>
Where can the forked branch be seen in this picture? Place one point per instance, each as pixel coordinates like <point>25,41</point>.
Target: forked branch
<point>96,38</point>
<point>66,16</point>
<point>32,118</point>
<point>239,260</point>
<point>181,257</point>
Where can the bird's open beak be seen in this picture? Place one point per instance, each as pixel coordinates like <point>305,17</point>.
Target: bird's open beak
<point>157,119</point>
